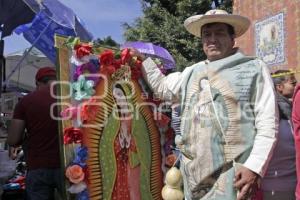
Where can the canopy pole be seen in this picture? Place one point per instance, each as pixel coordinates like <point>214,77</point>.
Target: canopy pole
<point>2,64</point>
<point>25,55</point>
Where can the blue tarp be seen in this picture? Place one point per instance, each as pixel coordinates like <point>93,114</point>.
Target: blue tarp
<point>52,18</point>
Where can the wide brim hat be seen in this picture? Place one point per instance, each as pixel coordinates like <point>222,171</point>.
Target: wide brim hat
<point>194,23</point>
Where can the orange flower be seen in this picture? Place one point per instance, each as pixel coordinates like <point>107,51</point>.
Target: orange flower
<point>75,174</point>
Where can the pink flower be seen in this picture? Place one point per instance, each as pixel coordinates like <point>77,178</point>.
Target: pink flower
<point>75,174</point>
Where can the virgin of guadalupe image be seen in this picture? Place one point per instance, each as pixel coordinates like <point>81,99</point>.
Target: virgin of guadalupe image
<point>113,138</point>
<point>127,180</point>
<point>126,151</point>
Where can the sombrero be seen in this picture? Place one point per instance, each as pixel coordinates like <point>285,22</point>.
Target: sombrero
<point>194,23</point>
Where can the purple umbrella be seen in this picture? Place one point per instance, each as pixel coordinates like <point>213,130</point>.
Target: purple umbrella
<point>153,51</point>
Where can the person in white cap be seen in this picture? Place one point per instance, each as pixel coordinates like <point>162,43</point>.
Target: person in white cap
<point>229,118</point>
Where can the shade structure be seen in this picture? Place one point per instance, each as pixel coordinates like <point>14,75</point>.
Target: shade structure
<point>152,50</point>
<point>12,14</point>
<point>52,17</point>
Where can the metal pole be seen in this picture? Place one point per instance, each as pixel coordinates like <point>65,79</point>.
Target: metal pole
<point>2,63</point>
<point>25,54</point>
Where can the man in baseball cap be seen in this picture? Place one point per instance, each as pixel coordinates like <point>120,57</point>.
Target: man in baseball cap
<point>45,74</point>
<point>34,113</point>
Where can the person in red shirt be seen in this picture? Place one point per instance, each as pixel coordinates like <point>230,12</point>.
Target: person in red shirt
<point>33,113</point>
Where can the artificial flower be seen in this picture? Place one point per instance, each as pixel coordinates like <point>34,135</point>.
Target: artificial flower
<point>77,188</point>
<point>81,154</point>
<point>136,72</point>
<point>72,135</point>
<point>88,110</point>
<point>106,58</point>
<point>83,88</point>
<point>125,56</point>
<point>83,195</point>
<point>107,70</point>
<point>138,64</point>
<point>89,69</point>
<point>75,174</point>
<point>117,64</point>
<point>69,113</point>
<point>82,49</point>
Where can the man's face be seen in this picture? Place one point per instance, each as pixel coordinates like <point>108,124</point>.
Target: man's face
<point>286,88</point>
<point>217,42</point>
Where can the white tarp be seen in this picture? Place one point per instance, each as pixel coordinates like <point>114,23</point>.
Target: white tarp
<point>24,76</point>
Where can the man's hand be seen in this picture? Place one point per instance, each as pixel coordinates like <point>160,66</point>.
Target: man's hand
<point>245,182</point>
<point>135,53</point>
<point>13,152</point>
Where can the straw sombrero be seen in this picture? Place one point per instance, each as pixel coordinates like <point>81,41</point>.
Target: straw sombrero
<point>194,23</point>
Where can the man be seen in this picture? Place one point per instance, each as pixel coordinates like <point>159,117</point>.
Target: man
<point>33,113</point>
<point>280,179</point>
<point>229,115</point>
<point>296,126</point>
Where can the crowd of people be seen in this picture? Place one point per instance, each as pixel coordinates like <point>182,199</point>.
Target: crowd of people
<point>239,126</point>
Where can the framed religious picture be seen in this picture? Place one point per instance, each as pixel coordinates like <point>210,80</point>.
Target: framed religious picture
<point>270,39</point>
<point>110,124</point>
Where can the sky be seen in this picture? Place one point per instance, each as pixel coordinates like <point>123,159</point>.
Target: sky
<point>101,17</point>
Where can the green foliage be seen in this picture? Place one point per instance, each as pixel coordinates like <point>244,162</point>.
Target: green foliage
<point>162,24</point>
<point>106,42</point>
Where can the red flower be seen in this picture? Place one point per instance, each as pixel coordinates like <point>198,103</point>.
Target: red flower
<point>117,64</point>
<point>72,135</point>
<point>136,72</point>
<point>106,58</point>
<point>138,64</point>
<point>125,56</point>
<point>82,50</point>
<point>107,70</point>
<point>88,110</point>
